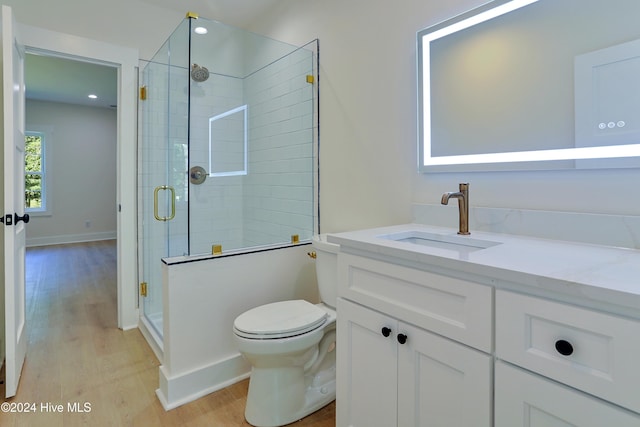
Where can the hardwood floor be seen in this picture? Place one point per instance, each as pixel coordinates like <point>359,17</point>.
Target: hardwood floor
<point>76,355</point>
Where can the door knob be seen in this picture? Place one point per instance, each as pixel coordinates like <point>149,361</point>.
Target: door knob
<point>17,218</point>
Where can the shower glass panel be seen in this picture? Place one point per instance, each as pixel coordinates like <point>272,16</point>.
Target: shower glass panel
<point>228,144</point>
<point>162,160</point>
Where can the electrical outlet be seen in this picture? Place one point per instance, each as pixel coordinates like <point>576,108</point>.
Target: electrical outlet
<point>87,224</point>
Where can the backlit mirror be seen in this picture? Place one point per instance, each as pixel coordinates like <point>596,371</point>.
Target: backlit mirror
<point>531,84</point>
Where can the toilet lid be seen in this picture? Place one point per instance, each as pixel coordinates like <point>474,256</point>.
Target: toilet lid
<point>280,319</point>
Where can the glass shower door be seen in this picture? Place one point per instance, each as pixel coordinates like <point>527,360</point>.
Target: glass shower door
<point>162,180</point>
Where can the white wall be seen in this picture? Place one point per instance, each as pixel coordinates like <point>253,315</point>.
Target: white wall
<point>368,121</point>
<point>81,169</point>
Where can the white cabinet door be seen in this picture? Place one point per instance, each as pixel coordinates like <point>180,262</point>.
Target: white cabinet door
<point>528,400</point>
<point>366,368</point>
<point>442,383</point>
<point>405,376</point>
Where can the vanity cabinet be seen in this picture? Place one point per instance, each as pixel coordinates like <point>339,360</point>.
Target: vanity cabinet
<point>525,332</point>
<point>556,345</point>
<point>416,348</point>
<point>393,369</point>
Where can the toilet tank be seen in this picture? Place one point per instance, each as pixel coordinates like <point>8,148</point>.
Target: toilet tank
<point>326,269</point>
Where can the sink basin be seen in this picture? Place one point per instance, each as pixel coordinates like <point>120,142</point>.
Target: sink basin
<point>454,242</point>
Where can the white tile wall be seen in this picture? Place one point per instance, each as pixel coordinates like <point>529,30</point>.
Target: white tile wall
<point>216,205</point>
<point>279,188</point>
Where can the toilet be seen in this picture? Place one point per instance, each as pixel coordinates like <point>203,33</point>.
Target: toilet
<point>291,348</point>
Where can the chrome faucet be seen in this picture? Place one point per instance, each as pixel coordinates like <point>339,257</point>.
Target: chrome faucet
<point>463,206</point>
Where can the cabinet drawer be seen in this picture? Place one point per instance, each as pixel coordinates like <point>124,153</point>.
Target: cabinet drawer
<point>526,399</point>
<point>592,351</point>
<point>451,307</point>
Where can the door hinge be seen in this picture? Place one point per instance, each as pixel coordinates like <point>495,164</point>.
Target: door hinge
<point>143,289</point>
<point>143,93</point>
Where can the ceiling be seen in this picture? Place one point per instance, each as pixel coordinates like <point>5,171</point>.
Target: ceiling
<point>63,80</point>
<point>49,78</point>
<point>239,13</point>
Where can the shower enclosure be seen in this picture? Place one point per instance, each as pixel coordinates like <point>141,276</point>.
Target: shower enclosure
<point>228,141</point>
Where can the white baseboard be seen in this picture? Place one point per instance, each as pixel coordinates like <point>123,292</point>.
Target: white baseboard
<point>180,389</point>
<point>70,238</point>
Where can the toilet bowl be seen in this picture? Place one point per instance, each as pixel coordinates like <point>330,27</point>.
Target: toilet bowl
<point>291,348</point>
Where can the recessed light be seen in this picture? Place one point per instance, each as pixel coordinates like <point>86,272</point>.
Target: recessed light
<point>92,96</point>
<point>200,30</point>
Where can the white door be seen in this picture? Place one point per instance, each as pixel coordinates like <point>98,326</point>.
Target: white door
<point>14,217</point>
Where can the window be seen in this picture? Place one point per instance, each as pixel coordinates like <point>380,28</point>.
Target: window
<point>34,172</point>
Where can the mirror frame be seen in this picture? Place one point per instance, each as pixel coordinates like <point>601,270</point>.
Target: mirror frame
<point>562,158</point>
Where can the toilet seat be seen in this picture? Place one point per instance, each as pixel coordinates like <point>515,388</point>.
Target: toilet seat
<point>280,320</point>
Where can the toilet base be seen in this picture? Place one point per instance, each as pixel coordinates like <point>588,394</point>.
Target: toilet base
<point>282,396</point>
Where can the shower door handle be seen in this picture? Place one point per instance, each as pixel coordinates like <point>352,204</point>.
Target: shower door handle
<point>173,203</point>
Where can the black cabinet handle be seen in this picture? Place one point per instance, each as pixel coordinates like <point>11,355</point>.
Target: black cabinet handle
<point>564,347</point>
<point>17,218</point>
<point>386,331</point>
<point>402,338</point>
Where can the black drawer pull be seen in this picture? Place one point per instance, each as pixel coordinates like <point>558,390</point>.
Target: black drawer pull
<point>402,338</point>
<point>386,331</point>
<point>564,347</point>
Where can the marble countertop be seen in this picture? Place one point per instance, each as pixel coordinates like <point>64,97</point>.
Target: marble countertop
<point>597,276</point>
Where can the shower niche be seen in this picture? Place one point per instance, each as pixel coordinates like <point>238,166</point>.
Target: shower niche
<point>227,149</point>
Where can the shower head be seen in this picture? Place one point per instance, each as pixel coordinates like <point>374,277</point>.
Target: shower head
<point>198,73</point>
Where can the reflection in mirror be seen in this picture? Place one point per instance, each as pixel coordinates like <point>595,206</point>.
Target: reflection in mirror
<point>531,84</point>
